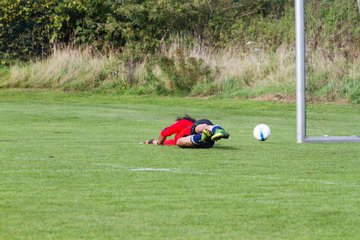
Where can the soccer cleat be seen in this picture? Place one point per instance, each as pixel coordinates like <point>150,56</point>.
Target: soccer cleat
<point>205,135</point>
<point>220,133</point>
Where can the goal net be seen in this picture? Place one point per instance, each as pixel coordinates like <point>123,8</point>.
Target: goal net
<point>328,70</point>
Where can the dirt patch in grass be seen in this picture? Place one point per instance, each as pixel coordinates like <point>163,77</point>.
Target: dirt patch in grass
<point>292,99</point>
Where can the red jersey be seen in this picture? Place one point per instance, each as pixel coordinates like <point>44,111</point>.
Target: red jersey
<point>180,128</point>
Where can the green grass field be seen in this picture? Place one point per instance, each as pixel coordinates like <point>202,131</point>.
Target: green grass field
<point>71,167</point>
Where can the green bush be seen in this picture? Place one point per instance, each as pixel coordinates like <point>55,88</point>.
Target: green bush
<point>29,28</point>
<point>184,72</point>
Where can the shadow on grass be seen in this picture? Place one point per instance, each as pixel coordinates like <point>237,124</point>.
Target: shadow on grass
<point>221,147</point>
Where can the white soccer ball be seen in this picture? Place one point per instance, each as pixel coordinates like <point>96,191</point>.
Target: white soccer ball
<point>262,132</point>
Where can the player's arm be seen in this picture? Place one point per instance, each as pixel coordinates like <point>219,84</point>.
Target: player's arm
<point>160,140</point>
<point>168,131</point>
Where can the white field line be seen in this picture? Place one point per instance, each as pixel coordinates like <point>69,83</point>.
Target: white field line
<point>154,170</point>
<point>170,170</point>
<point>109,166</point>
<point>177,170</point>
<point>144,169</point>
<point>324,182</point>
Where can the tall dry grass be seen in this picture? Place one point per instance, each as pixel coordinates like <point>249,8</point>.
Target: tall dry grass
<point>193,69</point>
<point>68,68</point>
<point>237,68</point>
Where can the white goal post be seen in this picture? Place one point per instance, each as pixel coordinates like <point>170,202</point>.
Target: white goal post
<point>301,83</point>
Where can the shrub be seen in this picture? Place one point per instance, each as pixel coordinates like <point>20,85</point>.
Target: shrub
<point>184,72</point>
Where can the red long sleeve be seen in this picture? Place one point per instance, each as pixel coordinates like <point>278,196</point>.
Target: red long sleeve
<point>176,127</point>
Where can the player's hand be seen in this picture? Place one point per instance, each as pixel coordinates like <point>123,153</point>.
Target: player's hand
<point>151,141</point>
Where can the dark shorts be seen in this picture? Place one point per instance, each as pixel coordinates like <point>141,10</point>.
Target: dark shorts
<point>198,122</point>
<point>207,144</point>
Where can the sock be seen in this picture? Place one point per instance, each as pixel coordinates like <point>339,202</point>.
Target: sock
<point>215,128</point>
<point>195,139</point>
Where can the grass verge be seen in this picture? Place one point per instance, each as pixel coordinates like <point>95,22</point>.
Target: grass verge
<point>71,168</point>
<point>193,70</point>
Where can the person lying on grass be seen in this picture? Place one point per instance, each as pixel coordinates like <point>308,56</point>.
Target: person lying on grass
<point>190,132</point>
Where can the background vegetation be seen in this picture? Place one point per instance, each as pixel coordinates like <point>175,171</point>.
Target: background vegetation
<point>201,47</point>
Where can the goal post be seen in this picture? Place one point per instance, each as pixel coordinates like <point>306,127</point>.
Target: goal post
<point>301,83</point>
<point>300,71</point>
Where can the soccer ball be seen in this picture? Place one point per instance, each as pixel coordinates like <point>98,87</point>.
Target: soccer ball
<point>262,132</point>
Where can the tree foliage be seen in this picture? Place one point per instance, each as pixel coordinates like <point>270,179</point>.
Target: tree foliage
<point>29,28</point>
